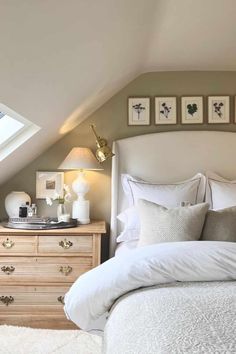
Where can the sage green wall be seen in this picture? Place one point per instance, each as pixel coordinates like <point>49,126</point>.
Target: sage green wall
<point>111,122</point>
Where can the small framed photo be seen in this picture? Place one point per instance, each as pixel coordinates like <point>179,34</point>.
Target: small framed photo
<point>48,184</point>
<point>139,111</point>
<point>165,110</point>
<point>218,109</point>
<point>192,110</point>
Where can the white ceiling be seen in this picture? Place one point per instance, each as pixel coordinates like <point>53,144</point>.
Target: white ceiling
<point>60,60</point>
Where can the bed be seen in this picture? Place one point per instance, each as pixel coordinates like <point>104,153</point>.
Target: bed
<point>174,297</point>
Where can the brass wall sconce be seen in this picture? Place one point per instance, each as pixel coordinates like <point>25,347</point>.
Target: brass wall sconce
<point>103,151</point>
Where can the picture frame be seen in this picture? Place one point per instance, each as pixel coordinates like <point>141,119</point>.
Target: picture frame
<point>139,111</point>
<point>49,183</point>
<point>218,109</point>
<point>234,109</point>
<point>165,110</point>
<point>192,109</point>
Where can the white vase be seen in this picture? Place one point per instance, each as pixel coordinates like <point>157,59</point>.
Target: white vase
<point>13,202</point>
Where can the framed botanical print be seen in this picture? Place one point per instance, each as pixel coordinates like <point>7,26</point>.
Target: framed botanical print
<point>192,110</point>
<point>165,110</point>
<point>48,184</point>
<point>218,109</point>
<point>139,111</point>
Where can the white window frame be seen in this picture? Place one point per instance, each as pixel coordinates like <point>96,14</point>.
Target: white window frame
<point>20,137</point>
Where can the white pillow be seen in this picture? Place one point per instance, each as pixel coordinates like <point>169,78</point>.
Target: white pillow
<point>220,192</point>
<point>170,195</point>
<point>159,224</point>
<point>131,222</point>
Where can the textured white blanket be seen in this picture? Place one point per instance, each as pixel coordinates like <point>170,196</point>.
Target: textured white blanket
<point>180,318</point>
<point>95,292</point>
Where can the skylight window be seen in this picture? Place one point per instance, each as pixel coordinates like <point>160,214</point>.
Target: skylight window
<point>14,131</point>
<point>8,127</point>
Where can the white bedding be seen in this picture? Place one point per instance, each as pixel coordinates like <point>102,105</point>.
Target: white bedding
<point>177,318</point>
<point>93,294</point>
<point>126,246</point>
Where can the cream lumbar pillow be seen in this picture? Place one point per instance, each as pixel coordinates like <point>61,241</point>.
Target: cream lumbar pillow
<point>159,224</point>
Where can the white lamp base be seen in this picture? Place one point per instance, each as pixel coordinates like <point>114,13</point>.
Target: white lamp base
<point>80,211</point>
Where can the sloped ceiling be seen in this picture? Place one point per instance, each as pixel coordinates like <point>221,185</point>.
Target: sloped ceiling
<point>60,60</point>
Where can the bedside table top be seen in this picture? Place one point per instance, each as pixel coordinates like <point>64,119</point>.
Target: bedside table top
<point>95,227</point>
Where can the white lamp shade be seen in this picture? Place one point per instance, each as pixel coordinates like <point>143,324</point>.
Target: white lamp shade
<point>80,158</point>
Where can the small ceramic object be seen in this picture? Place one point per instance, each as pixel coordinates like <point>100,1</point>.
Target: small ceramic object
<point>13,202</point>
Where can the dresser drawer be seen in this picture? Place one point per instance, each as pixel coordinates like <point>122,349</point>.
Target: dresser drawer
<point>65,244</point>
<point>17,244</point>
<point>43,269</point>
<point>29,298</point>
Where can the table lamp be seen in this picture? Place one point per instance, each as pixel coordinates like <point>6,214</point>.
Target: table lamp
<point>80,159</point>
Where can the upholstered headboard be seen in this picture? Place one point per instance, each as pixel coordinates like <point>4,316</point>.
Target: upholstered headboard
<point>169,157</point>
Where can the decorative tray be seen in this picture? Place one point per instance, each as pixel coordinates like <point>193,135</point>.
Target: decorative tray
<point>50,224</point>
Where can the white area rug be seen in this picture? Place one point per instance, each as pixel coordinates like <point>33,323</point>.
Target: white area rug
<point>21,340</point>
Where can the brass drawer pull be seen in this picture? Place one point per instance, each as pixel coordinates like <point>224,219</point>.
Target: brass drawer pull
<point>61,299</point>
<point>7,300</point>
<point>8,243</point>
<point>66,270</point>
<point>8,269</point>
<point>65,244</point>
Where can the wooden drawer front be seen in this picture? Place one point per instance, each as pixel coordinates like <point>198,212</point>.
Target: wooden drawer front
<point>65,244</point>
<point>17,244</point>
<point>43,269</point>
<point>23,298</point>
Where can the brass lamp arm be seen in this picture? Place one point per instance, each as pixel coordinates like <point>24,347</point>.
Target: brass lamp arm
<point>99,141</point>
<point>94,132</point>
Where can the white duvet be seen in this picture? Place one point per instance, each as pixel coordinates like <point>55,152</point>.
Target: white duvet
<point>93,294</point>
<point>175,318</point>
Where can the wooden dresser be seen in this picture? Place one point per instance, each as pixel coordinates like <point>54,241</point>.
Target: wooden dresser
<point>38,267</point>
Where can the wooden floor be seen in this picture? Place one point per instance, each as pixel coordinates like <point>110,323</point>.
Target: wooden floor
<point>36,320</point>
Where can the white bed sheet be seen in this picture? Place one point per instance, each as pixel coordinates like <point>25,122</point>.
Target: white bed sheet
<point>124,247</point>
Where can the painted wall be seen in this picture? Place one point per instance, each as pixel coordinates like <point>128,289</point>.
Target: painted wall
<point>111,122</point>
